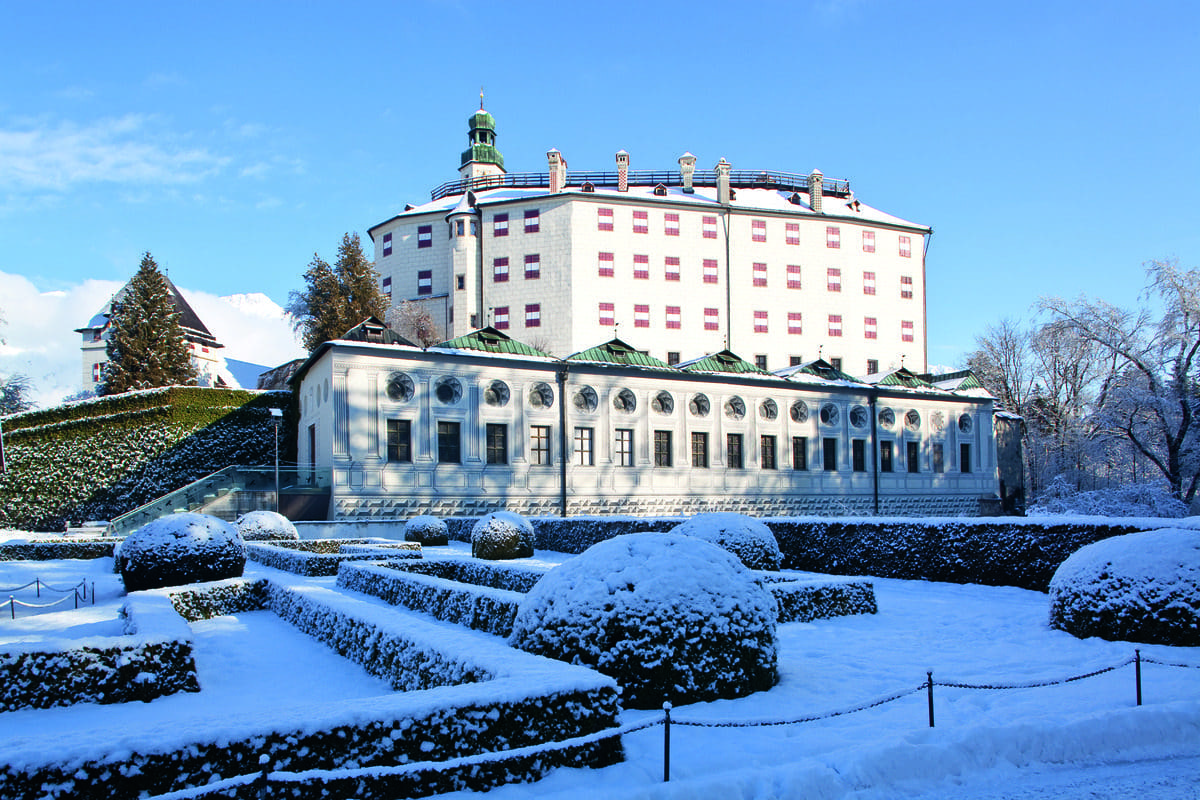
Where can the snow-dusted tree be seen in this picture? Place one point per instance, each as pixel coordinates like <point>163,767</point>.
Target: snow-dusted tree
<point>1003,363</point>
<point>146,347</point>
<point>413,321</point>
<point>14,393</point>
<point>1150,395</point>
<point>336,298</point>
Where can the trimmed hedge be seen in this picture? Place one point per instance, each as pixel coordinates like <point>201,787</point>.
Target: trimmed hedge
<point>509,577</point>
<point>218,598</point>
<point>321,557</point>
<point>805,601</point>
<point>56,549</point>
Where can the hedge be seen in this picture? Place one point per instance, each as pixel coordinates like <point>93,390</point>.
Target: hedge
<point>321,557</point>
<point>56,549</point>
<point>805,601</point>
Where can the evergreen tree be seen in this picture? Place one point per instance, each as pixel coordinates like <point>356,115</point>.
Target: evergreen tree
<point>146,347</point>
<point>336,298</point>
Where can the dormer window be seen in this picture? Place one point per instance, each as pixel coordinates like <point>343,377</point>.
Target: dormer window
<point>587,186</point>
<point>660,191</point>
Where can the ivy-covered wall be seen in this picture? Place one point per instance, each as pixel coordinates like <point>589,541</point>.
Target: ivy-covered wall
<point>100,458</point>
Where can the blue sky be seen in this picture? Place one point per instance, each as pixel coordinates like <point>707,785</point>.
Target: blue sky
<point>1053,147</point>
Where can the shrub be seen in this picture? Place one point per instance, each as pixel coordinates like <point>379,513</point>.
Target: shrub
<point>745,537</point>
<point>265,525</point>
<point>1141,587</point>
<point>427,530</point>
<point>502,534</point>
<point>669,617</point>
<point>178,549</point>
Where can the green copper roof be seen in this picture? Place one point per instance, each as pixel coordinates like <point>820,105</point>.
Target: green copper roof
<point>618,352</point>
<point>490,340</point>
<point>826,371</point>
<point>483,119</point>
<point>482,138</point>
<point>723,361</point>
<point>906,378</point>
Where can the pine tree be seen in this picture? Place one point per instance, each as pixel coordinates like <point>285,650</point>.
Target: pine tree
<point>146,348</point>
<point>336,298</point>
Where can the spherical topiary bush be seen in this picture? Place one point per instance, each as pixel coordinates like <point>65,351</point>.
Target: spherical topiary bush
<point>502,534</point>
<point>1141,587</point>
<point>669,617</point>
<point>747,538</point>
<point>263,525</point>
<point>181,548</point>
<point>427,530</point>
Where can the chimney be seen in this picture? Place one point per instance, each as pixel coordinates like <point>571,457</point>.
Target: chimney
<point>558,171</point>
<point>723,195</point>
<point>622,171</point>
<point>687,168</point>
<point>815,187</point>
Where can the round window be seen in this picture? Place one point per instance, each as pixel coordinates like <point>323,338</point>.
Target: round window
<point>829,414</point>
<point>768,409</point>
<point>663,403</point>
<point>799,411</point>
<point>859,417</point>
<point>496,394</point>
<point>735,407</point>
<point>912,420</point>
<point>448,390</point>
<point>625,401</point>
<point>887,418</point>
<point>699,405</point>
<point>541,395</point>
<point>400,387</point>
<point>586,399</point>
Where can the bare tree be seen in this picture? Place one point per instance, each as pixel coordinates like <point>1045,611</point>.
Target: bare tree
<point>1003,363</point>
<point>413,321</point>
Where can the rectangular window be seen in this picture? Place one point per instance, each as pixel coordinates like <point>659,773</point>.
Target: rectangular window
<point>604,219</point>
<point>387,287</point>
<point>459,227</point>
<point>795,361</point>
<point>585,452</point>
<point>872,366</point>
<point>662,448</point>
<point>885,456</point>
<point>671,224</point>
<point>829,453</point>
<point>833,236</point>
<point>793,276</point>
<point>500,269</point>
<point>760,361</point>
<point>641,222</point>
<point>836,363</point>
<point>710,270</point>
<point>539,444</point>
<point>533,220</point>
<point>833,279</point>
<point>387,244</point>
<point>641,316</point>
<point>905,247</point>
<point>608,316</point>
<point>533,315</point>
<point>500,318</point>
<point>461,280</point>
<point>868,283</point>
<point>906,331</point>
<point>760,274</point>
<point>870,327</point>
<point>939,458</point>
<point>734,457</point>
<point>758,230</point>
<point>858,455</point>
<point>533,266</point>
<point>672,355</point>
<point>912,456</point>
<point>835,324</point>
<point>766,452</point>
<point>624,452</point>
<point>906,287</point>
<point>795,322</point>
<point>425,281</point>
<point>868,241</point>
<point>671,268</point>
<point>605,265</point>
<point>500,225</point>
<point>760,322</point>
<point>712,319</point>
<point>399,441</point>
<point>709,227</point>
<point>964,457</point>
<point>792,233</point>
<point>449,443</point>
<point>497,443</point>
<point>673,319</point>
<point>641,268</point>
<point>424,236</point>
<point>800,453</point>
<point>97,373</point>
<point>700,449</point>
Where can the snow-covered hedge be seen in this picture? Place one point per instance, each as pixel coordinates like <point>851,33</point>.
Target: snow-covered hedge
<point>806,600</point>
<point>427,530</point>
<point>481,608</point>
<point>180,548</point>
<point>502,534</point>
<point>263,525</point>
<point>153,659</point>
<point>320,557</point>
<point>1142,587</point>
<point>572,534</point>
<point>55,549</point>
<point>747,538</point>
<point>217,598</point>
<point>510,577</point>
<point>670,617</point>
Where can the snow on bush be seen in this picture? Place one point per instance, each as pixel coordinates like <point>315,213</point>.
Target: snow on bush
<point>427,530</point>
<point>502,534</point>
<point>180,548</point>
<point>669,617</point>
<point>263,525</point>
<point>745,537</point>
<point>1141,587</point>
<point>1139,500</point>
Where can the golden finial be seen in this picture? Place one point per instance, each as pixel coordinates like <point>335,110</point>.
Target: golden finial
<point>481,98</point>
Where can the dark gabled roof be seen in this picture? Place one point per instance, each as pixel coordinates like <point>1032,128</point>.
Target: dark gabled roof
<point>490,340</point>
<point>723,362</point>
<point>820,369</point>
<point>906,378</point>
<point>193,329</point>
<point>616,351</point>
<point>372,329</point>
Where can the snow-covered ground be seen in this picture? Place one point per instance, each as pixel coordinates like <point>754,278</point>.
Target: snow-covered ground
<point>1083,739</point>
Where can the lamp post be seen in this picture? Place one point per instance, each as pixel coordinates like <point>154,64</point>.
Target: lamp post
<point>277,415</point>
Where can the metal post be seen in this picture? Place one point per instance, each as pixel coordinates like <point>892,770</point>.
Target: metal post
<point>1137,672</point>
<point>276,414</point>
<point>76,600</point>
<point>37,586</point>
<point>666,742</point>
<point>12,607</point>
<point>929,688</point>
<point>93,593</point>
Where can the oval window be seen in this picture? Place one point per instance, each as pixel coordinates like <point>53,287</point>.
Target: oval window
<point>859,417</point>
<point>626,401</point>
<point>448,390</point>
<point>541,395</point>
<point>799,411</point>
<point>699,405</point>
<point>830,414</point>
<point>912,420</point>
<point>887,418</point>
<point>496,394</point>
<point>663,403</point>
<point>966,423</point>
<point>735,407</point>
<point>768,409</point>
<point>400,387</point>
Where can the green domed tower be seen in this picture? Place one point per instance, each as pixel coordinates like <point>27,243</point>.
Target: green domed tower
<point>482,157</point>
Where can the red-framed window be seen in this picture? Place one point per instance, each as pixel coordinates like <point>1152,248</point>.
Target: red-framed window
<point>906,331</point>
<point>673,318</point>
<point>760,321</point>
<point>641,268</point>
<point>833,236</point>
<point>906,287</point>
<point>905,247</point>
<point>795,322</point>
<point>500,318</point>
<point>710,270</point>
<point>793,276</point>
<point>533,315</point>
<point>758,230</point>
<point>708,226</point>
<point>97,373</point>
<point>424,236</point>
<point>533,266</point>
<point>641,222</point>
<point>712,319</point>
<point>500,225</point>
<point>760,273</point>
<point>608,314</point>
<point>533,220</point>
<point>870,327</point>
<point>641,316</point>
<point>387,244</point>
<point>833,279</point>
<point>386,287</point>
<point>425,281</point>
<point>604,219</point>
<point>792,233</point>
<point>835,324</point>
<point>868,241</point>
<point>605,265</point>
<point>671,268</point>
<point>500,269</point>
<point>868,283</point>
<point>671,224</point>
